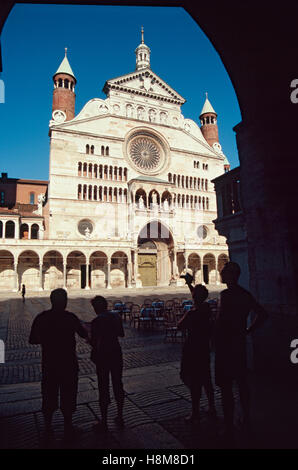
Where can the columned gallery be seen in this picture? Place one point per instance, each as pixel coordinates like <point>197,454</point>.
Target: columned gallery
<point>130,200</point>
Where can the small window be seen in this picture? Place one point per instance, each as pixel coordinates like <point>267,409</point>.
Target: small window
<point>32,198</point>
<point>92,149</point>
<point>87,149</point>
<point>2,197</point>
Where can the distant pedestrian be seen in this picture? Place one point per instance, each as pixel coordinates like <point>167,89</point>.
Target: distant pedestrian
<point>23,291</point>
<point>195,363</point>
<point>107,356</point>
<point>230,360</point>
<point>55,330</point>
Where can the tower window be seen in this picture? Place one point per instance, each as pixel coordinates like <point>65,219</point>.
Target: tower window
<point>2,197</point>
<point>60,82</point>
<point>66,83</point>
<point>32,198</point>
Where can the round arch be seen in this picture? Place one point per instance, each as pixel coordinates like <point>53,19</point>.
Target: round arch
<point>194,263</point>
<point>76,270</point>
<point>52,270</point>
<point>209,269</point>
<point>28,269</point>
<point>156,268</point>
<point>98,261</point>
<point>7,274</point>
<point>119,269</point>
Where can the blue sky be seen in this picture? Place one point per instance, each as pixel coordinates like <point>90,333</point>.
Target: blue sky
<point>101,41</point>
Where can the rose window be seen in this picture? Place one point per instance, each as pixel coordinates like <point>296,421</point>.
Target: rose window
<point>144,153</point>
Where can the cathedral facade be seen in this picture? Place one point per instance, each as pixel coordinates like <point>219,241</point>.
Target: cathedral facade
<point>129,201</point>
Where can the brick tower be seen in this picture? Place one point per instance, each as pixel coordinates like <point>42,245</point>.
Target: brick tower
<point>64,85</point>
<point>208,118</point>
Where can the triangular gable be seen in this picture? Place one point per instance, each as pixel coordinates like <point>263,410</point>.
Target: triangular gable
<point>144,82</point>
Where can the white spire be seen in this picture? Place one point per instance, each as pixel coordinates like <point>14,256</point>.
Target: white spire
<point>64,67</point>
<point>207,108</point>
<point>142,54</point>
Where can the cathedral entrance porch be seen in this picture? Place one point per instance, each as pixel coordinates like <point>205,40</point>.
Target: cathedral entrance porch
<point>155,261</point>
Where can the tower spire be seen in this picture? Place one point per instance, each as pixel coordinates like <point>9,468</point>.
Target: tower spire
<point>142,54</point>
<point>142,32</point>
<point>208,119</point>
<point>64,85</point>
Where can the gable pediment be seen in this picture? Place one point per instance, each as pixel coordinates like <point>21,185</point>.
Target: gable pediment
<point>146,83</point>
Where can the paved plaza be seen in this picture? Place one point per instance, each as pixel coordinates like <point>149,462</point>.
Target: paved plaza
<point>156,399</point>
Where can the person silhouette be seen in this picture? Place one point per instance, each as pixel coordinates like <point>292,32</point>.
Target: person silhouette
<point>195,362</point>
<point>55,330</point>
<point>236,303</point>
<point>23,291</point>
<point>107,355</point>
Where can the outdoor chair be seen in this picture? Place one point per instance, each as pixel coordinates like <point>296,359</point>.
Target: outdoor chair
<point>134,315</point>
<point>170,326</point>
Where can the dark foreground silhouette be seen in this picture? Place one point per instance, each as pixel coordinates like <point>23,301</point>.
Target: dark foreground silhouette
<point>55,330</point>
<point>236,303</point>
<point>195,363</point>
<point>107,356</point>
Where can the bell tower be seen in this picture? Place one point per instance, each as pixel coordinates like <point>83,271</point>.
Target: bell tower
<point>142,54</point>
<point>208,118</point>
<point>64,86</point>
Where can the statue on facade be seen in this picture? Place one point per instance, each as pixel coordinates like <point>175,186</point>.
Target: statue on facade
<point>166,204</point>
<point>141,202</point>
<point>154,198</point>
<point>87,233</point>
<point>40,200</point>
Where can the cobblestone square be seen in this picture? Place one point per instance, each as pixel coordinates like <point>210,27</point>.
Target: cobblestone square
<point>156,399</point>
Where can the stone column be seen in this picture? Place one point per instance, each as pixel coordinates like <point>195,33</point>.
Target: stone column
<point>87,276</point>
<point>3,228</point>
<point>29,231</point>
<point>109,275</point>
<point>16,280</point>
<point>216,271</point>
<point>129,274</point>
<point>176,270</point>
<point>202,272</point>
<point>17,231</point>
<point>64,275</point>
<point>40,276</point>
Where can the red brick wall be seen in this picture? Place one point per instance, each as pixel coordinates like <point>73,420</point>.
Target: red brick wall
<point>64,99</point>
<point>210,132</point>
<point>24,190</point>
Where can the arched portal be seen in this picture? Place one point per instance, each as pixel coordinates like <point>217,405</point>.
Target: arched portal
<point>52,270</point>
<point>194,263</point>
<point>28,270</point>
<point>119,272</point>
<point>222,260</point>
<point>98,266</point>
<point>76,270</point>
<point>209,272</point>
<point>155,260</point>
<point>7,275</point>
<point>24,231</point>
